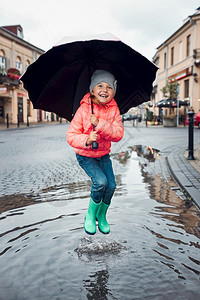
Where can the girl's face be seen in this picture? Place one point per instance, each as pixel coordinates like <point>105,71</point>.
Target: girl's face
<point>103,92</point>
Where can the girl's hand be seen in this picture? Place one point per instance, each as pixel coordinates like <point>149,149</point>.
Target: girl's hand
<point>94,120</point>
<point>92,137</point>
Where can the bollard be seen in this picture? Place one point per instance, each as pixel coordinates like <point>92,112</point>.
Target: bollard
<point>27,121</point>
<point>18,120</point>
<point>191,135</point>
<point>7,120</point>
<point>146,119</point>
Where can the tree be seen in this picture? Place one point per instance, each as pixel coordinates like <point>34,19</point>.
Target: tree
<point>170,89</point>
<point>149,115</point>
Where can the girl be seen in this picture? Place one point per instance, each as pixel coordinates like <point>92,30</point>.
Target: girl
<point>96,162</point>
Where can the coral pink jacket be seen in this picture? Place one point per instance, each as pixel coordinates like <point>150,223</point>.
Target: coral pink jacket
<point>109,128</point>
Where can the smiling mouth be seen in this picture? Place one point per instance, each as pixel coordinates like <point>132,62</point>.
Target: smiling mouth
<point>103,96</point>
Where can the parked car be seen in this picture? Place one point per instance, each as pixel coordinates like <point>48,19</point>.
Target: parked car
<point>196,120</point>
<point>129,117</point>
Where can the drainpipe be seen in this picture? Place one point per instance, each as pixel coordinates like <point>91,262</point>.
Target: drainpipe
<point>166,47</point>
<point>177,120</point>
<point>195,43</point>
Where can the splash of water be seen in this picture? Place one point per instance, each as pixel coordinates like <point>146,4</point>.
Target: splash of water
<point>92,247</point>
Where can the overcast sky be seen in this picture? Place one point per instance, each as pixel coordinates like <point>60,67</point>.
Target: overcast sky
<point>142,24</point>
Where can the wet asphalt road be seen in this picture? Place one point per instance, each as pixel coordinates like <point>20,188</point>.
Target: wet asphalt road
<point>39,157</point>
<point>153,249</point>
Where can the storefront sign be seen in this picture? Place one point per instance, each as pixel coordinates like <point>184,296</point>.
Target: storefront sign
<point>180,75</point>
<point>21,95</point>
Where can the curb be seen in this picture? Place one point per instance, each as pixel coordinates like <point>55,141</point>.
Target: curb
<point>185,175</point>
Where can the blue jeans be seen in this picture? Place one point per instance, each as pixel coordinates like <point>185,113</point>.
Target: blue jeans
<point>101,173</point>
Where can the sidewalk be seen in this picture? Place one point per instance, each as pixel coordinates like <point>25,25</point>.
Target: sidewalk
<point>24,125</point>
<point>186,172</point>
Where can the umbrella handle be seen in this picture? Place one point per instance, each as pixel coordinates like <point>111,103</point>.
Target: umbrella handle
<point>95,145</point>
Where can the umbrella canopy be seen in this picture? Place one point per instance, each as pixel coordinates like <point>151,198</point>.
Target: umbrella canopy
<point>59,78</point>
<point>170,103</point>
<point>164,103</point>
<point>179,103</point>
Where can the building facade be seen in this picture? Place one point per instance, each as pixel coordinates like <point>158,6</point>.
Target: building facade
<point>178,59</point>
<point>15,56</point>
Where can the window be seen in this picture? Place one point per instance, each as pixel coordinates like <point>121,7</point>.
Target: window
<point>20,33</point>
<point>172,56</point>
<point>35,55</point>
<point>27,64</point>
<point>186,88</point>
<point>180,51</point>
<point>188,45</point>
<point>19,64</point>
<point>2,62</point>
<point>165,60</point>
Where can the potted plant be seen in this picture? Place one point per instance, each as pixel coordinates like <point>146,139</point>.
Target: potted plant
<point>170,120</point>
<point>13,73</point>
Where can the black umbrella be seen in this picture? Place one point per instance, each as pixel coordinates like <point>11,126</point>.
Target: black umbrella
<point>59,78</point>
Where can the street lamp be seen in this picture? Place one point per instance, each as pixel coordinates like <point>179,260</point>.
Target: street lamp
<point>191,135</point>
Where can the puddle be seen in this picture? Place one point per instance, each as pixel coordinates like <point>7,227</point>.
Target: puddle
<point>153,247</point>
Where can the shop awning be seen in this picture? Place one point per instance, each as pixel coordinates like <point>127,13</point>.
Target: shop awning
<point>171,103</point>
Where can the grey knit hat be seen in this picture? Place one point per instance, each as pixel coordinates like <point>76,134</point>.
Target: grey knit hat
<point>103,76</point>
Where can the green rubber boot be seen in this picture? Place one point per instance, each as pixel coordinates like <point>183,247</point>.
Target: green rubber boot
<point>90,218</point>
<point>101,218</point>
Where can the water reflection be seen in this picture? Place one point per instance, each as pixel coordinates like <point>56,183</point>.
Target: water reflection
<point>122,156</point>
<point>97,286</point>
<point>147,152</point>
<point>151,154</point>
<point>183,213</point>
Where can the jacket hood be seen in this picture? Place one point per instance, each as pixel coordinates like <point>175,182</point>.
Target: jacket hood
<point>87,100</point>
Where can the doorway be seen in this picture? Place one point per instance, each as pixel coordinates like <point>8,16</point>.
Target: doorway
<point>20,109</point>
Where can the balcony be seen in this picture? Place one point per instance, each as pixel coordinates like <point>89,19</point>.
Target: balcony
<point>11,78</point>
